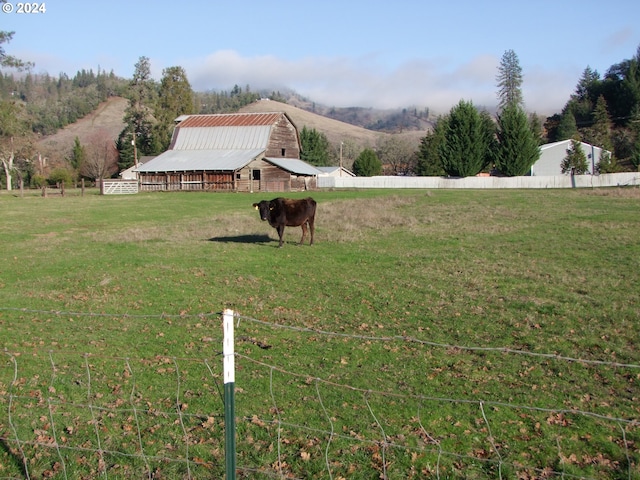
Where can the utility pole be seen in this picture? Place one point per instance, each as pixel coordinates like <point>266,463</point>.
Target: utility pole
<point>135,150</point>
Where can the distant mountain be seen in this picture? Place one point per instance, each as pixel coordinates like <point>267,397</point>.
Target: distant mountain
<point>389,121</point>
<point>335,130</point>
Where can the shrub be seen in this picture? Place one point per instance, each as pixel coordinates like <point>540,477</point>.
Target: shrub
<point>37,181</point>
<point>60,175</point>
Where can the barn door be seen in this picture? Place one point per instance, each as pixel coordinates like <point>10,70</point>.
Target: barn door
<point>255,180</point>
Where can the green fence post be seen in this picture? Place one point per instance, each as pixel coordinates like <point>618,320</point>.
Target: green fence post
<point>229,396</point>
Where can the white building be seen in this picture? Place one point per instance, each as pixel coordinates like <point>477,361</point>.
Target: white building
<point>336,172</point>
<point>552,155</point>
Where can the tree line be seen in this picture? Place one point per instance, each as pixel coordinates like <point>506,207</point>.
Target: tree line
<point>603,111</point>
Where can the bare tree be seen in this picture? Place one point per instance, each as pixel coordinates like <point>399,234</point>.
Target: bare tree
<point>15,139</point>
<point>101,156</point>
<point>397,155</point>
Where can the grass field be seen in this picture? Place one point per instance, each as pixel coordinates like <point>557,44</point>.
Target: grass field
<point>426,334</point>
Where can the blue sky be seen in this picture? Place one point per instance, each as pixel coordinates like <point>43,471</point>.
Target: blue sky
<point>340,53</point>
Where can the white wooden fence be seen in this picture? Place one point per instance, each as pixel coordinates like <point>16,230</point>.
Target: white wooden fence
<point>118,187</point>
<point>560,181</point>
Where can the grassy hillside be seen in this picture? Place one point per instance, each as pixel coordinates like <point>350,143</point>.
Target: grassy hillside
<point>336,131</point>
<point>108,116</point>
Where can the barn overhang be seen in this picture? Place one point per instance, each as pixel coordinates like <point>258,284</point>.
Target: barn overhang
<point>201,160</point>
<point>294,166</point>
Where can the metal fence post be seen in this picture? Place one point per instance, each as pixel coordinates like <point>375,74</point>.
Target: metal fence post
<point>229,396</point>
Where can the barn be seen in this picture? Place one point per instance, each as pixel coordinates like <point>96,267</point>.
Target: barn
<point>241,152</point>
<point>552,154</point>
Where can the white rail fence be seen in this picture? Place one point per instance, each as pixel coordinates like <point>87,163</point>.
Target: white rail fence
<point>65,414</point>
<point>119,187</point>
<point>560,181</point>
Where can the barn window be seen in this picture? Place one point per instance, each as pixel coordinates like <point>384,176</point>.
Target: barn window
<point>283,151</point>
<point>238,175</point>
<point>255,174</point>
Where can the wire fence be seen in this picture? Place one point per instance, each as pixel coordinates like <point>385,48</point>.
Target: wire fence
<point>70,414</point>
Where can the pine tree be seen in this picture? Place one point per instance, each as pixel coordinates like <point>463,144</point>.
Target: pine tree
<point>509,81</point>
<point>575,162</point>
<point>567,127</point>
<point>429,162</point>
<point>601,128</point>
<point>635,131</point>
<point>588,84</point>
<point>517,147</point>
<point>175,98</point>
<point>315,147</point>
<point>78,155</point>
<point>139,120</point>
<point>367,164</point>
<point>467,141</point>
<point>10,61</point>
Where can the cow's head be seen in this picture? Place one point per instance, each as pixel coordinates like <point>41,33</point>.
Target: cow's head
<point>264,207</point>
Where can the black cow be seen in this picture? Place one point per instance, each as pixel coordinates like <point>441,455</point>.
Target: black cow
<point>281,212</point>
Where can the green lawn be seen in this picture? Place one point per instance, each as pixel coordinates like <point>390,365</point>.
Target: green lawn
<point>426,334</point>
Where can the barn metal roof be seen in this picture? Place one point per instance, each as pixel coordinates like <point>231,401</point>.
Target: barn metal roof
<point>222,142</point>
<point>221,137</point>
<point>231,120</point>
<point>199,160</point>
<point>294,165</point>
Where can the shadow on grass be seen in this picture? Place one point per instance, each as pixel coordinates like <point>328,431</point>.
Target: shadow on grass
<point>254,238</point>
<point>14,457</point>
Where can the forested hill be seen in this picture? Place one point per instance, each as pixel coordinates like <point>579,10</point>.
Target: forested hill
<point>604,109</point>
<point>108,117</point>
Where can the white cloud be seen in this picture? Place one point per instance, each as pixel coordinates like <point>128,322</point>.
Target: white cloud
<point>435,83</point>
<point>344,82</point>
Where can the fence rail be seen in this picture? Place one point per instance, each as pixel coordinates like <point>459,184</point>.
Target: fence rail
<point>119,187</point>
<point>560,181</point>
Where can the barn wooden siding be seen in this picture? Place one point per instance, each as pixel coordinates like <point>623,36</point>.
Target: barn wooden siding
<point>270,179</point>
<point>258,175</point>
<point>284,140</point>
<point>168,181</point>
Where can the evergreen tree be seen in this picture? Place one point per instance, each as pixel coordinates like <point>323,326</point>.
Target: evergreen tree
<point>635,132</point>
<point>588,85</point>
<point>607,164</point>
<point>601,128</point>
<point>429,162</point>
<point>467,140</point>
<point>517,147</point>
<point>175,98</point>
<point>535,122</point>
<point>139,120</point>
<point>10,61</point>
<point>575,162</point>
<point>315,147</point>
<point>78,155</point>
<point>367,164</point>
<point>509,81</point>
<point>621,88</point>
<point>567,127</point>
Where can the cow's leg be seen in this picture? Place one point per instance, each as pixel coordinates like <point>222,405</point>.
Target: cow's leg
<point>304,231</point>
<point>311,227</point>
<point>280,230</point>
